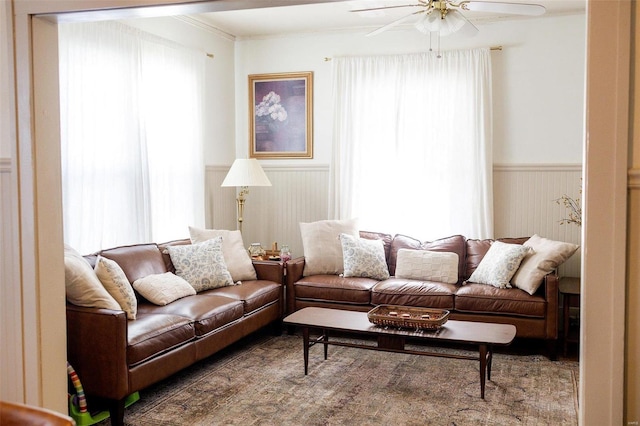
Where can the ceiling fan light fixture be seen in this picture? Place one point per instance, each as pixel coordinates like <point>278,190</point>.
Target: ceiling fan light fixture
<point>444,25</point>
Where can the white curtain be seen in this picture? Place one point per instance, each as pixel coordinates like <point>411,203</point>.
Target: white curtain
<point>412,143</point>
<point>131,120</point>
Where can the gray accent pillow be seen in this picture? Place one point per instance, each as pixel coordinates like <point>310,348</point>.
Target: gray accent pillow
<point>499,264</point>
<point>235,254</point>
<point>363,258</point>
<point>116,283</point>
<point>202,265</point>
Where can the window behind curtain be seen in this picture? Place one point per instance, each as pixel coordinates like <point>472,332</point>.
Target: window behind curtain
<point>412,143</point>
<point>131,113</point>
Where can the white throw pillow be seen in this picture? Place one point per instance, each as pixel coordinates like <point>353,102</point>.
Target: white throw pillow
<point>322,247</point>
<point>547,256</point>
<point>201,265</point>
<point>499,264</point>
<point>427,265</point>
<point>83,288</point>
<point>235,254</point>
<point>363,258</point>
<point>162,289</point>
<point>116,283</point>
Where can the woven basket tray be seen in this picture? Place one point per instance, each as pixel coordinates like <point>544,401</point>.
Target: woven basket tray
<point>408,317</point>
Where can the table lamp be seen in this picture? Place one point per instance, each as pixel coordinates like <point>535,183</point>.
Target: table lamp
<point>245,173</point>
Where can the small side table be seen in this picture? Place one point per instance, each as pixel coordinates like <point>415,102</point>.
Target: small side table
<point>570,291</point>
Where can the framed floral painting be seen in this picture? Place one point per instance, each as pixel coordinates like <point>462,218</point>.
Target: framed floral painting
<point>281,115</point>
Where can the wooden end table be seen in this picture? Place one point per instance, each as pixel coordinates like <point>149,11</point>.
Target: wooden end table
<point>482,335</point>
<point>570,290</point>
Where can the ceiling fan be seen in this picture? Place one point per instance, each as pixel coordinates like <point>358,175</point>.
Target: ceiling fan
<point>444,17</point>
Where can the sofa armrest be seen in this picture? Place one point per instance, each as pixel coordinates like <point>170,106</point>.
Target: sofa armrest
<point>551,295</point>
<point>269,270</point>
<point>97,350</point>
<point>295,268</point>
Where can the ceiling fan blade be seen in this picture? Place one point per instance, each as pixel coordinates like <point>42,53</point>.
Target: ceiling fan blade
<point>468,29</point>
<point>387,7</point>
<point>393,24</point>
<point>500,7</point>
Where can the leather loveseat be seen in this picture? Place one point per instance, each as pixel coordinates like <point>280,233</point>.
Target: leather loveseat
<point>534,315</point>
<point>115,357</point>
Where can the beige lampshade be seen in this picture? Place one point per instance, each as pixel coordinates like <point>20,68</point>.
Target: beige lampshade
<point>246,172</point>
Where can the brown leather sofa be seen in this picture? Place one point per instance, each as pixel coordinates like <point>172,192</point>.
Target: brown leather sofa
<point>535,316</point>
<point>115,357</point>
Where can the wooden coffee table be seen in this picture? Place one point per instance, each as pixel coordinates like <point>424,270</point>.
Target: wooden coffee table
<point>482,335</point>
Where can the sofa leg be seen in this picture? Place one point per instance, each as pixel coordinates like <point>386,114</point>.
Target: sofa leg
<point>116,412</point>
<point>276,327</point>
<point>552,349</point>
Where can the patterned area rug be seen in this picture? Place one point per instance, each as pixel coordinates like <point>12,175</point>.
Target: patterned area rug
<point>261,381</point>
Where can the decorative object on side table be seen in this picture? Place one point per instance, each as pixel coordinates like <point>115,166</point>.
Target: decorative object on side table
<point>245,173</point>
<point>573,206</point>
<point>408,317</point>
<point>285,253</point>
<point>256,251</point>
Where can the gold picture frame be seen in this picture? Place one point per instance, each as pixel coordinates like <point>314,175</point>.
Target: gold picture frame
<point>281,115</point>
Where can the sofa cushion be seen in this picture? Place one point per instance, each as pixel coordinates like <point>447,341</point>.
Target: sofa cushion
<point>206,311</point>
<point>202,265</point>
<point>235,254</point>
<point>499,264</point>
<point>253,294</point>
<point>161,289</point>
<point>406,292</point>
<point>486,299</point>
<point>427,265</point>
<point>547,256</point>
<point>454,244</point>
<point>137,261</point>
<point>363,257</point>
<point>321,246</point>
<point>115,282</point>
<point>334,288</point>
<point>151,335</point>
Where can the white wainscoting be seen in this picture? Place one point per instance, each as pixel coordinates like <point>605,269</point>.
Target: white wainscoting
<point>11,361</point>
<point>524,200</point>
<point>524,204</point>
<point>271,214</point>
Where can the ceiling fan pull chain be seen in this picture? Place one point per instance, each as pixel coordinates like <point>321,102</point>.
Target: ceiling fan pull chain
<point>439,55</point>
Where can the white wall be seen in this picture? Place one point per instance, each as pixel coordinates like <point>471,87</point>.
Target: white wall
<point>538,81</point>
<point>538,86</point>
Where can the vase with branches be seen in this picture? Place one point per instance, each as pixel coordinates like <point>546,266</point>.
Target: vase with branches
<point>573,206</point>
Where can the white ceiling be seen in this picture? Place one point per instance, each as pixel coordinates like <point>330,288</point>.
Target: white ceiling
<point>337,16</point>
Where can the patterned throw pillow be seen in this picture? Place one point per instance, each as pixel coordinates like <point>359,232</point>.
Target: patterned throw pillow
<point>162,289</point>
<point>499,264</point>
<point>201,265</point>
<point>427,265</point>
<point>235,254</point>
<point>363,258</point>
<point>115,281</point>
